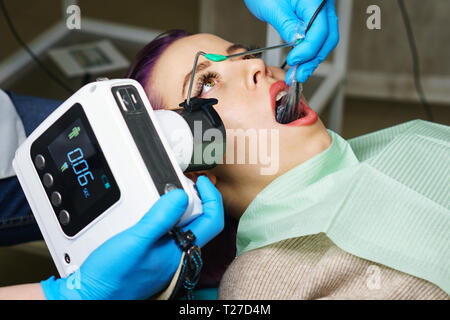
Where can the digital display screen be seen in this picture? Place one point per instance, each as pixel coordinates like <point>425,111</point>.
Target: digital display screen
<point>75,175</point>
<point>79,167</point>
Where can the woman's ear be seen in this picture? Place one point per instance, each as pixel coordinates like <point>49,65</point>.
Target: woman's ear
<point>194,175</point>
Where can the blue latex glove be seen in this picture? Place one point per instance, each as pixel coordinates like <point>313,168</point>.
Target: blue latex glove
<point>140,261</point>
<point>320,40</point>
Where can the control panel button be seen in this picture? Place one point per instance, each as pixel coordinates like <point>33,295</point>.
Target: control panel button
<point>48,180</point>
<point>64,217</point>
<point>56,198</point>
<point>39,161</point>
<point>66,258</point>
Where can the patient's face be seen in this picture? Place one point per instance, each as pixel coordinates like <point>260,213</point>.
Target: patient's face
<point>246,101</point>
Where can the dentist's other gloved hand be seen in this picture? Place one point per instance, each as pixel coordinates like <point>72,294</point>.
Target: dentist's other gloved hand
<point>140,261</point>
<point>320,40</point>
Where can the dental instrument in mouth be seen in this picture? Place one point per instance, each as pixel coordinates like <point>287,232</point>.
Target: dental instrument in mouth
<point>290,108</point>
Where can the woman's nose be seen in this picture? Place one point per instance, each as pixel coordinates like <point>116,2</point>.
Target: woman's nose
<point>256,72</point>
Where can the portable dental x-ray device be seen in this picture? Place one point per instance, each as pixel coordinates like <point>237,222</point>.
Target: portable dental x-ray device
<point>99,162</point>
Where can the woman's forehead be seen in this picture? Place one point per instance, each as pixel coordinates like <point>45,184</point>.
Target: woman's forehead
<point>200,42</point>
<point>182,52</point>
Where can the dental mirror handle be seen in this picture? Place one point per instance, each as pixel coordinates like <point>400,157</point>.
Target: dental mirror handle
<point>191,82</point>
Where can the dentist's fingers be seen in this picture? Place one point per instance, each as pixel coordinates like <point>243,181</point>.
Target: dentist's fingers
<point>280,14</point>
<point>305,70</point>
<point>285,21</point>
<point>162,216</point>
<point>313,42</point>
<point>211,222</point>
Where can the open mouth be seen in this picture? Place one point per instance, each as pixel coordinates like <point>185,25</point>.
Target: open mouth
<point>285,114</point>
<point>304,115</point>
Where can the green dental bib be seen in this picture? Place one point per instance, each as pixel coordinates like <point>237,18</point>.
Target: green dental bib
<point>384,197</point>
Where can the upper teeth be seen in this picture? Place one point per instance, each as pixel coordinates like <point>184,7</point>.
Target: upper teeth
<point>280,95</point>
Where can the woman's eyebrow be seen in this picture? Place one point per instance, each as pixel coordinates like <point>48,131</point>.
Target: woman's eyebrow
<point>236,46</point>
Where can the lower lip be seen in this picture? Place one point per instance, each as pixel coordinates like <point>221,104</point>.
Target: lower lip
<point>309,119</point>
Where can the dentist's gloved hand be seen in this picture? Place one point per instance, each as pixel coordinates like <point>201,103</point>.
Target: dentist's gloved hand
<point>320,40</point>
<point>140,261</point>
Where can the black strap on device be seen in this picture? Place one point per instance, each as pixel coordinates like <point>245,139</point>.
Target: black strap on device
<point>192,264</point>
<point>201,111</point>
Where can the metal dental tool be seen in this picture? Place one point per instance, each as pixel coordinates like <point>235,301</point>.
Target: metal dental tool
<point>290,108</point>
<point>219,57</point>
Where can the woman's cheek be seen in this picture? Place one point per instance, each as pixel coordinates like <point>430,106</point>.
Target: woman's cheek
<point>227,117</point>
<point>277,73</point>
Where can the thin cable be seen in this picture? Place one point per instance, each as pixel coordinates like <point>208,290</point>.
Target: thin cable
<point>415,58</point>
<point>309,25</point>
<point>31,53</point>
<point>315,15</point>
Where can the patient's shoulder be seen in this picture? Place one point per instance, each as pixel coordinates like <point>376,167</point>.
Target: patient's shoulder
<point>269,272</point>
<point>371,144</point>
<point>313,267</point>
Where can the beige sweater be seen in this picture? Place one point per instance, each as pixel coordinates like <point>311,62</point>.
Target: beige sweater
<point>313,267</point>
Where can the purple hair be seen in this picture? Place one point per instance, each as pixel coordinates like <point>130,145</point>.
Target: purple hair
<point>145,61</point>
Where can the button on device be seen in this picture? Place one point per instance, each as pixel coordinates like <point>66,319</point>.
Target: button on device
<point>169,187</point>
<point>56,198</point>
<point>64,217</point>
<point>47,180</point>
<point>39,161</point>
<point>66,258</point>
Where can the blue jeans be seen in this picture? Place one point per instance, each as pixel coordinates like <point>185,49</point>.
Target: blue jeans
<point>17,224</point>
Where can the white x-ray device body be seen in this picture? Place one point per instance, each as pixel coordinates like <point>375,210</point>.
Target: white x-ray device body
<point>97,164</point>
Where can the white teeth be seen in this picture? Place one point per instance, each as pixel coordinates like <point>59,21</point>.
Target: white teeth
<point>280,95</point>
